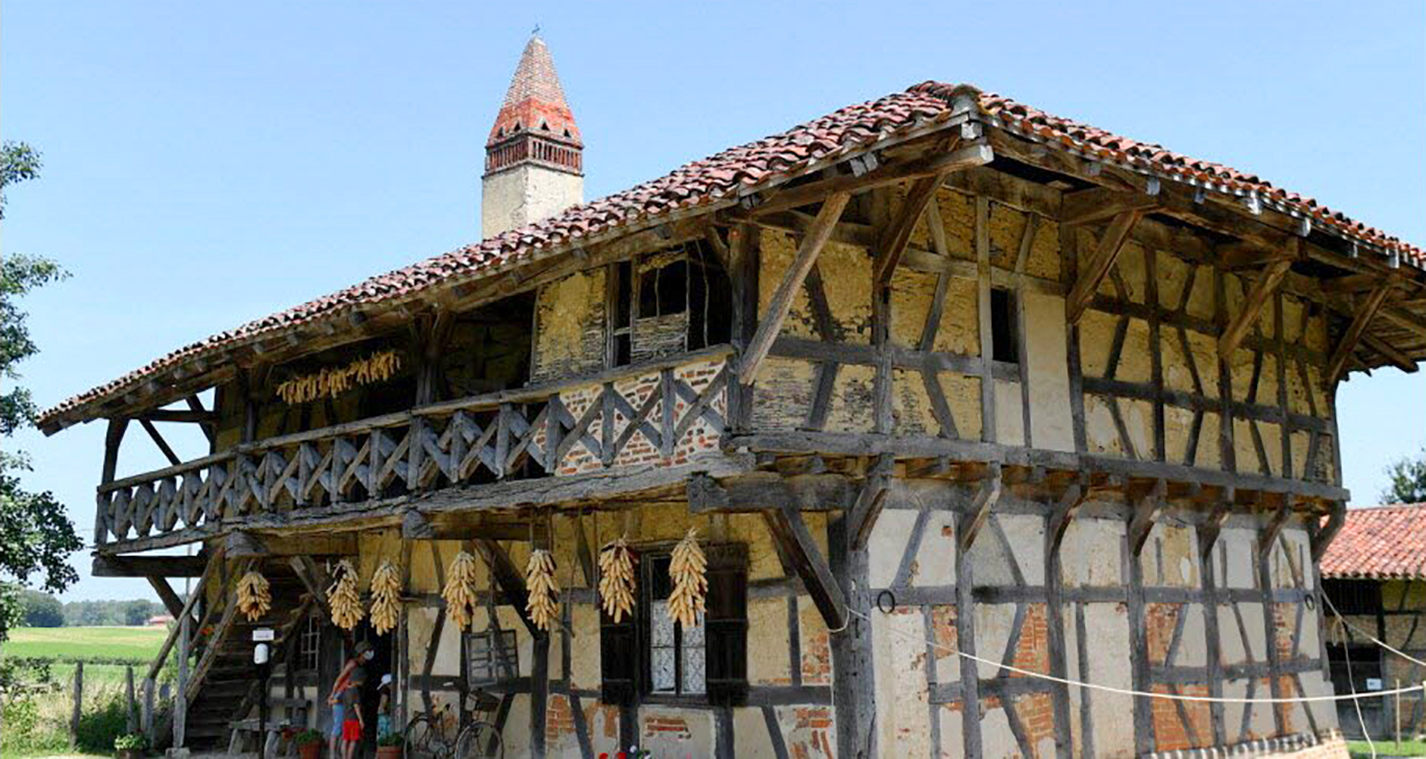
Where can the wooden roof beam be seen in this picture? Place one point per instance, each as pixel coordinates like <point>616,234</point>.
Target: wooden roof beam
<point>1263,288</point>
<point>1247,255</point>
<point>1099,265</point>
<point>1101,203</point>
<point>1398,359</point>
<point>976,153</point>
<point>791,284</point>
<point>790,534</point>
<point>1365,313</point>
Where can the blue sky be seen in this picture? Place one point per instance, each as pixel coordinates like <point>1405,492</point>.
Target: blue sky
<point>206,164</point>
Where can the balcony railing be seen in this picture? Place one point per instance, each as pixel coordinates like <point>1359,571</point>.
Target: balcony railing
<point>658,413</point>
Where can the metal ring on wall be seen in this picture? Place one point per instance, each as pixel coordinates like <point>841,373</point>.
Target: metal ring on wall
<point>887,595</point>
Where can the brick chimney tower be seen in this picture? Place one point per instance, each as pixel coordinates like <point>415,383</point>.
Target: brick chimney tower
<point>534,159</point>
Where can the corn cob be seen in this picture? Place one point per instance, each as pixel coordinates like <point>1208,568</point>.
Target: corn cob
<point>616,579</point>
<point>689,571</point>
<point>385,598</point>
<point>344,598</point>
<point>460,590</point>
<point>254,596</point>
<point>541,584</point>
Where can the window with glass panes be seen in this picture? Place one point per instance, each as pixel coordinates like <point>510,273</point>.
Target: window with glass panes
<point>309,643</point>
<point>676,653</point>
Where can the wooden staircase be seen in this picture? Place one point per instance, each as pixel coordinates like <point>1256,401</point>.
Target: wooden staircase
<point>223,686</point>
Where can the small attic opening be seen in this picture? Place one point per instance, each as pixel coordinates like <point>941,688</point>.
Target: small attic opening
<point>567,134</point>
<point>677,299</point>
<point>544,126</point>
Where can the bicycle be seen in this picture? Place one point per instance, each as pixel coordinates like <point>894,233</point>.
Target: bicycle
<point>428,738</point>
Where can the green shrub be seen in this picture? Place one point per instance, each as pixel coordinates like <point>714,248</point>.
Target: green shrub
<point>307,737</point>
<point>391,739</point>
<point>131,742</point>
<point>102,722</point>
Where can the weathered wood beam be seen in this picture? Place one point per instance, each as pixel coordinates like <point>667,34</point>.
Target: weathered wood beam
<point>1322,537</point>
<point>870,501</point>
<point>757,491</point>
<point>1099,264</point>
<point>160,442</point>
<point>1212,526</point>
<point>893,244</point>
<point>1274,527</point>
<point>313,578</point>
<point>1070,501</point>
<point>966,156</point>
<point>1413,323</point>
<point>148,566</point>
<point>1365,313</point>
<point>985,500</point>
<point>180,415</point>
<point>508,577</point>
<point>244,545</point>
<point>416,526</point>
<point>1248,255</point>
<point>170,599</point>
<point>1263,288</point>
<point>1100,203</point>
<point>1146,512</point>
<point>791,535</point>
<point>791,285</point>
<point>1397,358</point>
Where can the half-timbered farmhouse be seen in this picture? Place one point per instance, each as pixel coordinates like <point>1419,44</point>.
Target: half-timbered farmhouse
<point>935,376</point>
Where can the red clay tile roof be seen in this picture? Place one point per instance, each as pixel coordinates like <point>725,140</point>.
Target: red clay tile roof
<point>719,180</point>
<point>1379,543</point>
<point>535,100</point>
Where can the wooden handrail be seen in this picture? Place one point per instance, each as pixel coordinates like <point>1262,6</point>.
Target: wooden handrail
<point>193,597</point>
<point>490,401</point>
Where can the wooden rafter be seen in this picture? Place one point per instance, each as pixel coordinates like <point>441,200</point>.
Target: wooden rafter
<point>160,442</point>
<point>893,244</point>
<point>796,543</point>
<point>791,284</point>
<point>1069,503</point>
<point>1322,537</point>
<point>508,577</point>
<point>1348,344</point>
<point>1248,255</point>
<point>1275,525</point>
<point>1397,358</point>
<point>171,600</point>
<point>1098,204</point>
<point>1263,288</point>
<point>966,156</point>
<point>148,566</point>
<point>1146,512</point>
<point>1099,265</point>
<point>863,515</point>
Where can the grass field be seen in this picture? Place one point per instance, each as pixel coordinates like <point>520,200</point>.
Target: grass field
<point>1387,748</point>
<point>136,644</point>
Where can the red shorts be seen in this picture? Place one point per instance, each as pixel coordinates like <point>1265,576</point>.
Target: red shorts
<point>351,730</point>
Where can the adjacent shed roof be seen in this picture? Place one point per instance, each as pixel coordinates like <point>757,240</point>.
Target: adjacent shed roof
<point>1379,543</point>
<point>725,176</point>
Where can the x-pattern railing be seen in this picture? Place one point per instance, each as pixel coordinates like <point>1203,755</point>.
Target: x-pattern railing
<point>501,436</point>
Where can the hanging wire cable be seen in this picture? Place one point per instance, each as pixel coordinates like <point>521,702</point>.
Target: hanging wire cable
<point>1352,681</point>
<point>1369,636</point>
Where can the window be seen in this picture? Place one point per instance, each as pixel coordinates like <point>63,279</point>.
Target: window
<point>664,303</point>
<point>491,656</point>
<point>676,654</point>
<point>1002,326</point>
<point>309,643</point>
<point>651,657</point>
<point>1353,596</point>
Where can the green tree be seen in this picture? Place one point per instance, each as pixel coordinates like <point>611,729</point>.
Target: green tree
<point>36,536</point>
<point>1408,480</point>
<point>42,609</point>
<point>137,613</point>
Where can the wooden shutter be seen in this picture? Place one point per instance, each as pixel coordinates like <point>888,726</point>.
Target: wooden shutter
<point>726,625</point>
<point>619,658</point>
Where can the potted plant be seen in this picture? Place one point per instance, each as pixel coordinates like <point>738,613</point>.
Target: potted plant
<point>130,746</point>
<point>309,744</point>
<point>389,746</point>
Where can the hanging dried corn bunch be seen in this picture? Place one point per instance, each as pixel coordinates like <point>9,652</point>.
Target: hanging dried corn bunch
<point>460,590</point>
<point>344,598</point>
<point>332,382</point>
<point>385,597</point>
<point>616,579</point>
<point>689,571</point>
<point>540,582</point>
<point>254,596</point>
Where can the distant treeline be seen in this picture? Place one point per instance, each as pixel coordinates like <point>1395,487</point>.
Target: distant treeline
<point>44,610</point>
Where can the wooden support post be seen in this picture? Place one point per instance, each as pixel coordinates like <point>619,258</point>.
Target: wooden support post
<point>113,436</point>
<point>790,533</point>
<point>1069,503</point>
<point>146,720</point>
<point>1098,266</point>
<point>1322,537</point>
<point>1365,313</point>
<point>853,666</point>
<point>1263,288</point>
<point>180,700</point>
<point>791,285</point>
<point>539,674</point>
<point>78,706</point>
<point>893,243</point>
<point>1146,512</point>
<point>863,515</point>
<point>508,577</point>
<point>979,511</point>
<point>1274,526</point>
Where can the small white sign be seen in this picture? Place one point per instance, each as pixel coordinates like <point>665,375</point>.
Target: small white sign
<point>1373,683</point>
<point>263,634</point>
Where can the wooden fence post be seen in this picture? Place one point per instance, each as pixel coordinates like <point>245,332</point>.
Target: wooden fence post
<point>78,703</point>
<point>131,711</point>
<point>147,721</point>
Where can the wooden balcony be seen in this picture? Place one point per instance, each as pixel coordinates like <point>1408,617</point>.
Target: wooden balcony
<point>658,415</point>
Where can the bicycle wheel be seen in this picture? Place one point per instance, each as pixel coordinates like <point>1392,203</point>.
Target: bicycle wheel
<point>418,738</point>
<point>479,739</point>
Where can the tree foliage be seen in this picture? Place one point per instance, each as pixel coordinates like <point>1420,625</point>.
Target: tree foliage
<point>1408,480</point>
<point>42,609</point>
<point>36,536</point>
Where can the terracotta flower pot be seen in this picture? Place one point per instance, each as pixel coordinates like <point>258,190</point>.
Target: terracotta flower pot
<point>310,750</point>
<point>388,752</point>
